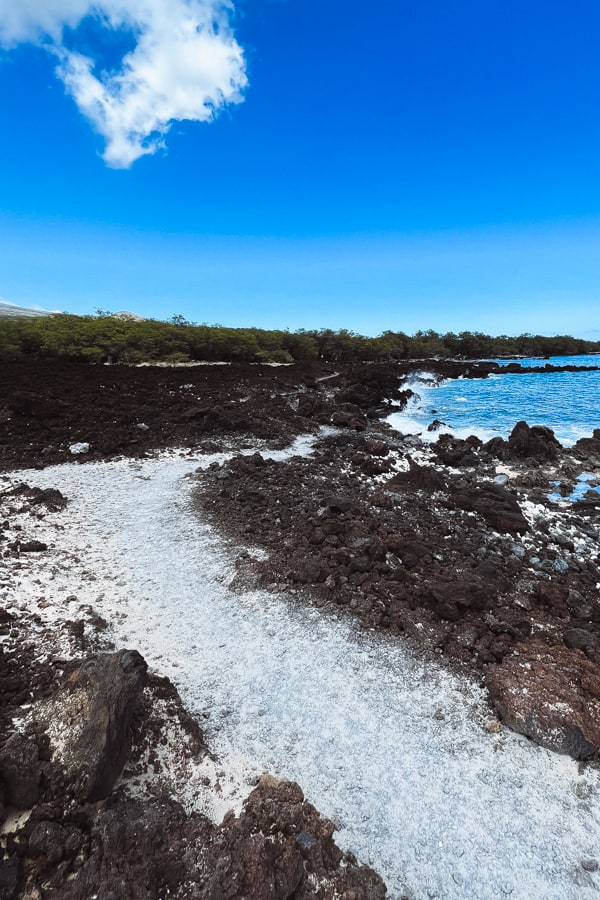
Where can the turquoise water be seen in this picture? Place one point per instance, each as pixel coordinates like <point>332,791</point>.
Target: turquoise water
<point>567,402</point>
<point>591,360</point>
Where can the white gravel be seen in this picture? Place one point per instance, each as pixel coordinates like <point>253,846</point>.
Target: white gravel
<point>384,741</point>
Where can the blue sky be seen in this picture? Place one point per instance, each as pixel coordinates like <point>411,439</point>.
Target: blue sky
<point>404,165</point>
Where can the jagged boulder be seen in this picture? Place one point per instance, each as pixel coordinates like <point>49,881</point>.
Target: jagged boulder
<point>499,507</point>
<point>130,849</point>
<point>551,694</point>
<point>95,709</point>
<point>456,452</point>
<point>589,448</point>
<point>537,442</point>
<point>10,878</point>
<point>20,770</point>
<point>280,847</point>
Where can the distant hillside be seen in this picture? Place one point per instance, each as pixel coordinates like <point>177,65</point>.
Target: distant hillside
<point>9,310</point>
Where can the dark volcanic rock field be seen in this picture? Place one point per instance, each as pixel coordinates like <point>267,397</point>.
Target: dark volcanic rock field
<point>455,544</point>
<point>432,542</point>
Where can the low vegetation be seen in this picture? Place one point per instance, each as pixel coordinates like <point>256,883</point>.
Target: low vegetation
<point>107,338</point>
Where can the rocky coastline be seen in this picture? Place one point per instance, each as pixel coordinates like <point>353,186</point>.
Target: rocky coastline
<point>455,544</point>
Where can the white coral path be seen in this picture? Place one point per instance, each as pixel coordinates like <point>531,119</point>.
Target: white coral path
<point>383,741</point>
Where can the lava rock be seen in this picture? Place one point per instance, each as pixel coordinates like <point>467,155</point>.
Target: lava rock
<point>498,507</point>
<point>97,709</point>
<point>550,694</point>
<point>455,452</point>
<point>281,847</point>
<point>581,639</point>
<point>436,425</point>
<point>10,877</point>
<point>34,406</point>
<point>31,546</point>
<point>537,442</point>
<point>338,504</point>
<point>418,478</point>
<point>589,446</point>
<point>377,448</point>
<point>20,770</point>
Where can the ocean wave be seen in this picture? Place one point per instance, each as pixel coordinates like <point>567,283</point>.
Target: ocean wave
<point>566,402</point>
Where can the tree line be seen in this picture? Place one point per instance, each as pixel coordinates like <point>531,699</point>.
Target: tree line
<point>107,338</point>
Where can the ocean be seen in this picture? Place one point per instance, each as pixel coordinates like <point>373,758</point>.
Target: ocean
<point>567,402</point>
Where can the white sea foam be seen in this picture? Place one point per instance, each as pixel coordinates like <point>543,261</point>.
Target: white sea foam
<point>421,411</point>
<point>490,407</point>
<point>383,740</point>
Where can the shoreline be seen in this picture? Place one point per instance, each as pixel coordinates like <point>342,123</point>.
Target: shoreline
<point>470,725</point>
<point>375,530</point>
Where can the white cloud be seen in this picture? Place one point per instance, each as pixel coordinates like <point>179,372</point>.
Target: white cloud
<point>186,64</point>
<point>34,20</point>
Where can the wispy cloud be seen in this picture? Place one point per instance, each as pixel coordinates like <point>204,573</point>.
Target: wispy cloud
<point>186,64</point>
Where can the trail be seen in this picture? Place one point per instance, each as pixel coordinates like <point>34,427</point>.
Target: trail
<point>384,741</point>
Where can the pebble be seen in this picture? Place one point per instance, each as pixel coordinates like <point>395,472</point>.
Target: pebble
<point>78,448</point>
<point>590,865</point>
<point>493,726</point>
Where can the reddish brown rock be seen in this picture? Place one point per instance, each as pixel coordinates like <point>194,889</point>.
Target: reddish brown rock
<point>377,448</point>
<point>551,694</point>
<point>498,507</point>
<point>282,848</point>
<point>97,707</point>
<point>279,848</point>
